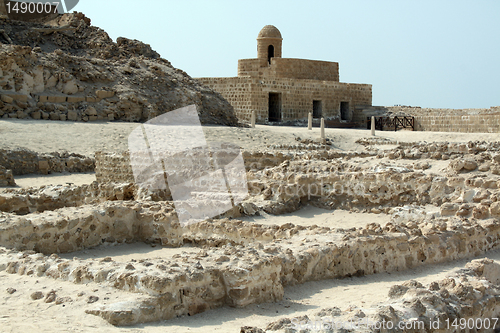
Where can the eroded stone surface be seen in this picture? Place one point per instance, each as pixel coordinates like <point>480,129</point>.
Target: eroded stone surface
<point>68,69</point>
<point>470,295</point>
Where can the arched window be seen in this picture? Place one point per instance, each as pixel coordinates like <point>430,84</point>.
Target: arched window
<point>270,53</point>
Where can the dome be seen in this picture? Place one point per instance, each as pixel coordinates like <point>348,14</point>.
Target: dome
<point>270,31</point>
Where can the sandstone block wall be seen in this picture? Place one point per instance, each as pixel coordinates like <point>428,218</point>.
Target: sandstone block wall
<point>288,68</point>
<point>297,96</point>
<point>437,120</point>
<point>486,123</point>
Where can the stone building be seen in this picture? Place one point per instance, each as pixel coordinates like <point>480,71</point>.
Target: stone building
<point>282,89</point>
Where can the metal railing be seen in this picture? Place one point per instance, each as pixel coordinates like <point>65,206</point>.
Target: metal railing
<point>391,123</point>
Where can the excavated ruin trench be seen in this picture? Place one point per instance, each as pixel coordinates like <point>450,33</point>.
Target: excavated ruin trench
<point>235,260</point>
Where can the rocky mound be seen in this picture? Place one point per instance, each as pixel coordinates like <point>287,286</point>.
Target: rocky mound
<point>67,69</point>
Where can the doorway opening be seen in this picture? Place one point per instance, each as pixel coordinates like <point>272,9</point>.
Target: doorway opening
<point>270,53</point>
<point>317,109</point>
<point>344,111</point>
<point>274,107</point>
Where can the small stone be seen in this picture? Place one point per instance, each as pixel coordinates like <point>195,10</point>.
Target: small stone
<point>51,297</point>
<point>61,300</point>
<point>91,111</point>
<point>484,167</point>
<point>107,259</point>
<point>36,295</point>
<point>21,114</point>
<point>397,291</point>
<point>72,115</point>
<point>470,165</point>
<point>92,299</point>
<point>36,115</point>
<point>55,116</point>
<point>11,290</point>
<point>7,99</point>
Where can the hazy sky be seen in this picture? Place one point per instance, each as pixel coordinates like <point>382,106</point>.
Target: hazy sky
<point>421,53</point>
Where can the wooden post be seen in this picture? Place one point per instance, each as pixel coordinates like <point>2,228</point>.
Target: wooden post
<point>323,136</point>
<point>310,121</point>
<point>373,126</point>
<point>252,119</point>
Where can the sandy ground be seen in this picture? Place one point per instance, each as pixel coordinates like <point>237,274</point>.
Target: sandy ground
<point>18,313</point>
<point>87,138</point>
<point>310,215</point>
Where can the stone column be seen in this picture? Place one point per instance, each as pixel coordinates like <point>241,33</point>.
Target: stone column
<point>323,136</point>
<point>373,125</point>
<point>310,121</point>
<point>252,119</point>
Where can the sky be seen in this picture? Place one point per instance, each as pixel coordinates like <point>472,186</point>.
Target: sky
<point>439,54</point>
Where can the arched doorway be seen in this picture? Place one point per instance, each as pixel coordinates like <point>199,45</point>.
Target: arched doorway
<point>270,53</point>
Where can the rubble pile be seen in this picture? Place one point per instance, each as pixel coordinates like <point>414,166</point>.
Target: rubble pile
<point>67,69</point>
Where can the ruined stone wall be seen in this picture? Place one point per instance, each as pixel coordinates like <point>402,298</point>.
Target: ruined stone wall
<point>288,68</point>
<point>22,162</point>
<point>52,197</point>
<point>297,96</point>
<point>6,177</point>
<point>113,167</point>
<point>468,298</point>
<point>116,167</point>
<point>250,274</point>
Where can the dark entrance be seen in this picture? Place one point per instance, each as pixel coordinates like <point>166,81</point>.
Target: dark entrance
<point>274,107</point>
<point>270,53</point>
<point>317,109</point>
<point>344,111</point>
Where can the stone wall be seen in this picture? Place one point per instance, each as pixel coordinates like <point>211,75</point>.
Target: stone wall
<point>437,120</point>
<point>250,274</point>
<point>6,177</point>
<point>486,123</point>
<point>248,94</point>
<point>113,167</point>
<point>52,197</point>
<point>23,161</point>
<point>468,298</point>
<point>116,167</point>
<point>288,68</point>
<point>452,120</point>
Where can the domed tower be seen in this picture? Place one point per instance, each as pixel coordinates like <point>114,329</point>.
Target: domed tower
<point>269,43</point>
